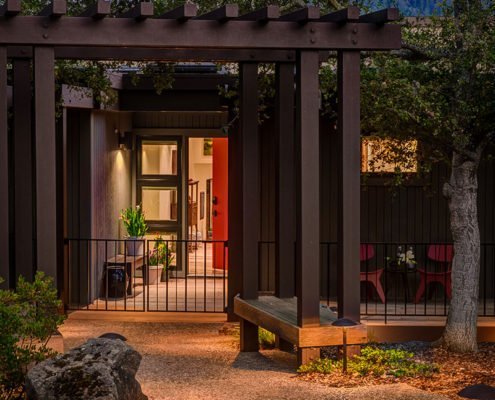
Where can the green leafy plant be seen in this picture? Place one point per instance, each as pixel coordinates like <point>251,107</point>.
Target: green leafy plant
<point>134,221</point>
<point>28,318</point>
<point>161,253</point>
<point>266,339</point>
<point>375,361</point>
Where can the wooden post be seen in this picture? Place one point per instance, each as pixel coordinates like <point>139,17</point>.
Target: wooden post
<point>349,184</point>
<point>23,171</point>
<point>248,153</point>
<point>308,196</point>
<point>285,180</point>
<point>46,161</point>
<point>4,175</point>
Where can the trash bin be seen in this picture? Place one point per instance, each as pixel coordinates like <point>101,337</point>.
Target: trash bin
<point>117,281</point>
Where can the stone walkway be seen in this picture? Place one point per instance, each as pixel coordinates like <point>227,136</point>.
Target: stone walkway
<point>193,361</point>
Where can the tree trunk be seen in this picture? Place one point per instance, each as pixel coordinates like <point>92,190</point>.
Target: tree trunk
<point>460,332</point>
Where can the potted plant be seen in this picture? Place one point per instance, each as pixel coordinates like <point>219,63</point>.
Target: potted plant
<point>160,259</point>
<point>136,227</point>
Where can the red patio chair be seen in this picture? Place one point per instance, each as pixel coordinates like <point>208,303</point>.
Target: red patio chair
<point>366,253</point>
<point>443,254</point>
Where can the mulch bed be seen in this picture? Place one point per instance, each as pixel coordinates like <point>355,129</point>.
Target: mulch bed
<point>457,371</point>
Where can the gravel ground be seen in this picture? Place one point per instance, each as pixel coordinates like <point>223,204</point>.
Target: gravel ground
<point>194,361</point>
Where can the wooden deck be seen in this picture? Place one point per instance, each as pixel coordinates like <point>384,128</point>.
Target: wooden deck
<point>280,317</point>
<point>194,294</point>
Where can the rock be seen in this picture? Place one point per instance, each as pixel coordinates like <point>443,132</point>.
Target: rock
<point>478,392</point>
<point>112,335</point>
<point>102,369</point>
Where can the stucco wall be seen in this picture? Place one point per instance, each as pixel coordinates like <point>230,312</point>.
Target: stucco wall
<point>111,173</point>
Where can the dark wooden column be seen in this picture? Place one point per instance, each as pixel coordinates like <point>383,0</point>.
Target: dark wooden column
<point>307,196</point>
<point>349,184</point>
<point>4,174</point>
<point>248,217</point>
<point>23,170</point>
<point>285,180</point>
<point>46,161</point>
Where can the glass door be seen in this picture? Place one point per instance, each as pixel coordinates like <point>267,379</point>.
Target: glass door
<point>159,189</point>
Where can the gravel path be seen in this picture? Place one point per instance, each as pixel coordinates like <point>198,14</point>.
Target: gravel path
<point>193,361</point>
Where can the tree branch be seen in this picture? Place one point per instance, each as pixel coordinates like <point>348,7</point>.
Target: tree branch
<point>425,53</point>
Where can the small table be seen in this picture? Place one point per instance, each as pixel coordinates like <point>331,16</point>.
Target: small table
<point>131,263</point>
<point>401,270</point>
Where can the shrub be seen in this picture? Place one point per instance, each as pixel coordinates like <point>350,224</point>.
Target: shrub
<point>375,361</point>
<point>28,318</point>
<point>266,339</point>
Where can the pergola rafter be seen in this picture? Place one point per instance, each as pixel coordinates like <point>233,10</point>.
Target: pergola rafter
<point>295,41</point>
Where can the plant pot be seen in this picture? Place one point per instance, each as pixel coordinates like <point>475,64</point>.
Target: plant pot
<point>117,281</point>
<point>135,246</point>
<point>154,271</point>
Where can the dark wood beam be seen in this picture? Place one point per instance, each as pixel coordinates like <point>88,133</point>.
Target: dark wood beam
<point>24,196</point>
<point>249,175</point>
<point>10,8</point>
<point>46,161</point>
<point>307,190</point>
<point>285,236</point>
<point>198,34</point>
<point>140,11</point>
<point>182,13</point>
<point>248,153</point>
<point>235,215</point>
<point>155,54</point>
<point>99,10</point>
<point>5,246</point>
<point>55,9</point>
<point>222,14</point>
<point>349,14</point>
<point>265,14</point>
<point>381,17</point>
<point>309,13</point>
<point>307,197</point>
<point>349,172</point>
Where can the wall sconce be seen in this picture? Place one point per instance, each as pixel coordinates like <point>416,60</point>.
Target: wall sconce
<point>125,140</point>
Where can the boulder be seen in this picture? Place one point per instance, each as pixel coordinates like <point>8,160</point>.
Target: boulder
<point>102,369</point>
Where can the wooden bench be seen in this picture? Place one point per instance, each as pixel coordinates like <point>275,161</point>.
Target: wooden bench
<point>279,316</point>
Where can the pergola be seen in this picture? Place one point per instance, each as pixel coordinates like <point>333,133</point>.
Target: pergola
<point>296,43</point>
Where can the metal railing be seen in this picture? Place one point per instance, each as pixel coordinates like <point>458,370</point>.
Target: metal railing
<point>397,279</point>
<point>146,275</point>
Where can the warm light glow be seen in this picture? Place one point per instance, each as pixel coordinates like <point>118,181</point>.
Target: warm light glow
<point>380,155</point>
<point>119,161</point>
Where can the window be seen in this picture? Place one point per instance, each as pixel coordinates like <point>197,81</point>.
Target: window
<point>159,203</point>
<point>380,155</point>
<point>159,158</point>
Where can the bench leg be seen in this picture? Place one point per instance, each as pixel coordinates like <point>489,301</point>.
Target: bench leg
<point>307,354</point>
<point>283,344</point>
<point>249,337</point>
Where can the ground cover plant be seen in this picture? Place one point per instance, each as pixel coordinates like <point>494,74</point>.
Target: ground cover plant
<point>430,368</point>
<point>29,316</point>
<point>374,361</point>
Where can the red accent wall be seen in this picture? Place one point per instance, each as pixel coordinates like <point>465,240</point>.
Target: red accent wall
<point>221,193</point>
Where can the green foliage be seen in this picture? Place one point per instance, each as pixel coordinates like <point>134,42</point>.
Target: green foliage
<point>161,253</point>
<point>440,88</point>
<point>266,339</point>
<point>28,318</point>
<point>134,221</point>
<point>375,361</point>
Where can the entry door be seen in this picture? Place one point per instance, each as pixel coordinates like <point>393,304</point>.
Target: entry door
<point>158,184</point>
<point>220,199</point>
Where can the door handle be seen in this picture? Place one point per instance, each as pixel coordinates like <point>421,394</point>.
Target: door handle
<point>214,200</point>
<point>215,213</point>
